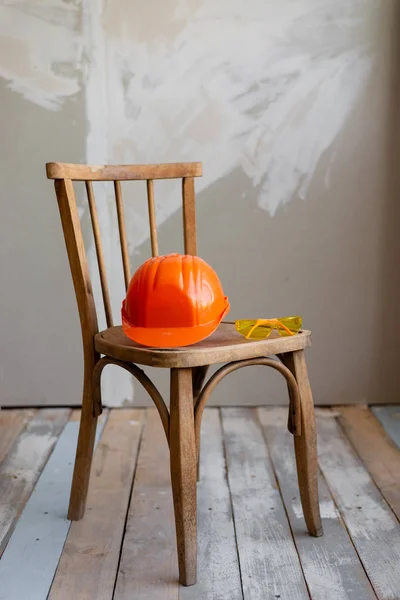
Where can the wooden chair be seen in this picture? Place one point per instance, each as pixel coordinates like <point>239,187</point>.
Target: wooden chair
<point>188,366</point>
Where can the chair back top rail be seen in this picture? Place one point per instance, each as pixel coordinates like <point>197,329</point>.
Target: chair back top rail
<point>56,170</point>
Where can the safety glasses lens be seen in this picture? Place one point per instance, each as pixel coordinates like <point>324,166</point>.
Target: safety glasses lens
<point>291,323</point>
<point>256,333</point>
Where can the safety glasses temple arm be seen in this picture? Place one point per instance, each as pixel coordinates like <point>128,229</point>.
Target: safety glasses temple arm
<point>288,331</point>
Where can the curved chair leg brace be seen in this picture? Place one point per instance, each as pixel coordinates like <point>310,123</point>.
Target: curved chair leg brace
<point>199,375</point>
<point>290,425</point>
<point>141,377</point>
<point>198,378</point>
<point>295,405</point>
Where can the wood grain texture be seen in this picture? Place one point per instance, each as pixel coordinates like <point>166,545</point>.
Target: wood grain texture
<point>218,565</point>
<point>84,450</point>
<point>99,253</point>
<point>12,423</point>
<point>269,562</point>
<point>122,232</point>
<point>305,445</point>
<point>149,568</point>
<point>89,561</point>
<point>43,526</point>
<point>183,460</point>
<point>389,416</point>
<point>78,264</point>
<point>224,345</point>
<point>89,327</point>
<point>189,216</point>
<point>24,462</point>
<point>56,170</point>
<point>152,217</point>
<point>148,563</point>
<point>330,563</point>
<point>377,451</point>
<point>372,525</point>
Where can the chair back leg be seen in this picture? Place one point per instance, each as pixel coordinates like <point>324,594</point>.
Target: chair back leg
<point>306,445</point>
<point>183,457</point>
<point>84,451</point>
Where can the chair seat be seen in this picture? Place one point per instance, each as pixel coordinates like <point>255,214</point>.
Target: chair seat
<point>224,345</point>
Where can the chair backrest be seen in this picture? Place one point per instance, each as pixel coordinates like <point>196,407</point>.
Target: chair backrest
<point>64,174</point>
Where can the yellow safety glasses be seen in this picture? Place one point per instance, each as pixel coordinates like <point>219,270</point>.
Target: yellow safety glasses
<point>260,329</point>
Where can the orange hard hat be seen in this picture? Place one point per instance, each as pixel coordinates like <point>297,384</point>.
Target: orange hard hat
<point>173,300</point>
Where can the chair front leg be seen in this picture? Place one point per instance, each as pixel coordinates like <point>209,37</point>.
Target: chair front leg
<point>84,451</point>
<point>183,472</point>
<point>306,445</point>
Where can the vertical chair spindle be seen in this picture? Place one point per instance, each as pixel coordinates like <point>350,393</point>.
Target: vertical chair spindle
<point>122,232</point>
<point>189,216</point>
<point>152,217</point>
<point>99,253</point>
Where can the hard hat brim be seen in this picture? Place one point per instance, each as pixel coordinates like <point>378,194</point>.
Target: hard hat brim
<point>171,337</point>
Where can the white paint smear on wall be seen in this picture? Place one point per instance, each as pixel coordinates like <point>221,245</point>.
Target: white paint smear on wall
<point>266,85</point>
<point>41,49</point>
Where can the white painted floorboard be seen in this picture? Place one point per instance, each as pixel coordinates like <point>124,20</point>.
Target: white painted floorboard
<point>371,524</point>
<point>389,416</point>
<point>30,559</point>
<point>269,562</point>
<point>218,565</point>
<point>330,563</point>
<point>357,559</point>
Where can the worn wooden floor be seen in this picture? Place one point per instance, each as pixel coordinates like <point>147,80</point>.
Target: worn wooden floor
<point>252,539</point>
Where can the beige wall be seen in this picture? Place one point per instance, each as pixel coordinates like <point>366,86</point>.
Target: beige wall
<point>292,107</point>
